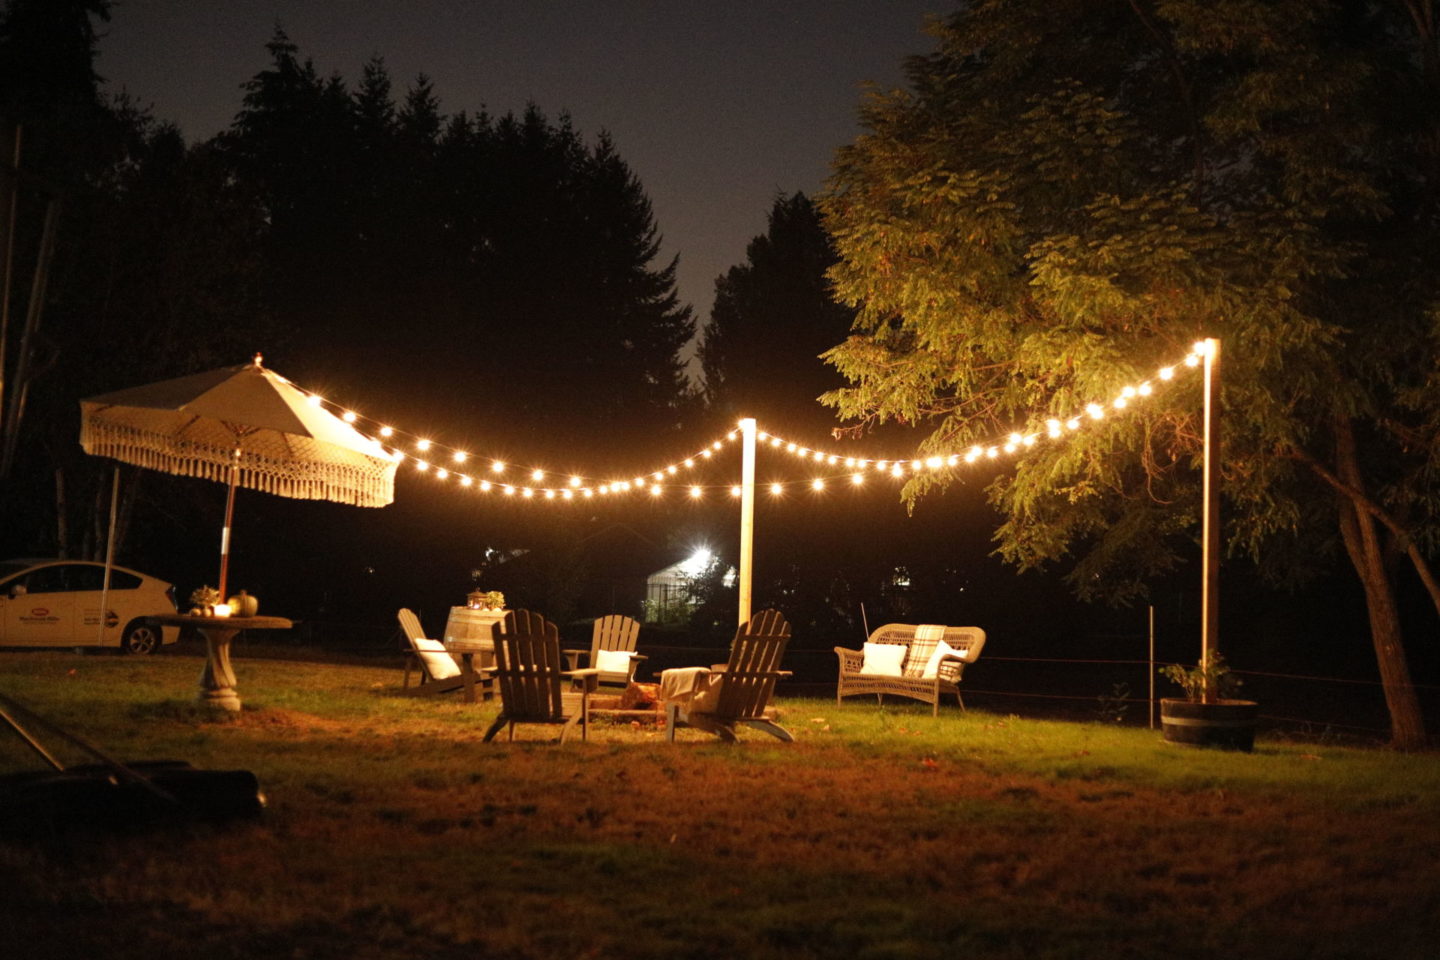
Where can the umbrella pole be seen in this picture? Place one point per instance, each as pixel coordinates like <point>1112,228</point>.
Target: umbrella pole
<point>229,514</point>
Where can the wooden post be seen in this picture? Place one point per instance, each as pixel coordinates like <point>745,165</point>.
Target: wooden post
<point>1210,525</point>
<point>11,195</point>
<point>747,514</point>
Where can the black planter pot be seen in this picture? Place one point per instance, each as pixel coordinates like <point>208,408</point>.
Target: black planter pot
<point>1226,724</point>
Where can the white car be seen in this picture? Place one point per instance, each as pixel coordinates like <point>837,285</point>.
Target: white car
<point>56,603</point>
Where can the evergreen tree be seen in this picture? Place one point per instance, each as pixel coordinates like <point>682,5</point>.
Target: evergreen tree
<point>773,317</point>
<point>1069,194</point>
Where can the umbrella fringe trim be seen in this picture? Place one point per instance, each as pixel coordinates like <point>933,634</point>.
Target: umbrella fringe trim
<point>366,482</point>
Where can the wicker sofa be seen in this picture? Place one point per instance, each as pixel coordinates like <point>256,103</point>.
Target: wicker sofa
<point>920,642</point>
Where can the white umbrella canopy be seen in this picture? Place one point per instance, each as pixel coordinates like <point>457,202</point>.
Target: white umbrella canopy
<point>244,426</point>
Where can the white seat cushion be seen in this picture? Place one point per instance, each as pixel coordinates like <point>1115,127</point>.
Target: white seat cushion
<point>613,661</point>
<point>438,662</point>
<point>932,666</point>
<point>883,659</point>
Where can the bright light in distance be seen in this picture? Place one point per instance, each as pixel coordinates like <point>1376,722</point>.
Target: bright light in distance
<point>776,489</point>
<point>442,473</point>
<point>695,493</point>
<point>527,492</point>
<point>497,467</point>
<point>314,400</point>
<point>422,444</point>
<point>857,478</point>
<point>1167,373</point>
<point>697,563</point>
<point>387,431</point>
<point>817,484</point>
<point>735,491</point>
<point>1095,410</point>
<point>421,465</point>
<point>460,456</point>
<point>465,481</point>
<point>655,490</point>
<point>537,474</point>
<point>349,416</point>
<point>897,471</point>
<point>575,481</point>
<point>1144,389</point>
<point>549,494</point>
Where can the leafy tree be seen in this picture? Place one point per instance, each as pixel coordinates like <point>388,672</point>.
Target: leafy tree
<point>773,316</point>
<point>1070,193</point>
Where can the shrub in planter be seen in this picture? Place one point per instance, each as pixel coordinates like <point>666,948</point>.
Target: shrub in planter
<point>1210,715</point>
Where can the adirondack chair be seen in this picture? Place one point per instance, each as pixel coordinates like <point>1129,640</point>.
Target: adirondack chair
<point>438,672</point>
<point>534,685</point>
<point>739,692</point>
<point>613,636</point>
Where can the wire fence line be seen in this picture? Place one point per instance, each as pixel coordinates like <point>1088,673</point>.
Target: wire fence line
<point>1295,700</point>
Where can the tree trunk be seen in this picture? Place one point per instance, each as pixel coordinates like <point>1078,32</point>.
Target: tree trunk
<point>1363,544</point>
<point>62,531</point>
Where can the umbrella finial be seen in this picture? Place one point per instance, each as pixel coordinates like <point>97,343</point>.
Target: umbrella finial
<point>257,359</point>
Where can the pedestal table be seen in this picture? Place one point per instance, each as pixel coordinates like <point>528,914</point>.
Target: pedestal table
<point>217,679</point>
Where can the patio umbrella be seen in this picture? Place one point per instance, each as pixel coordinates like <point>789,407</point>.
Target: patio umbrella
<point>243,426</point>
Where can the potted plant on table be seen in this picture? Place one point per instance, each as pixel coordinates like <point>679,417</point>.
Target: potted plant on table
<point>1210,715</point>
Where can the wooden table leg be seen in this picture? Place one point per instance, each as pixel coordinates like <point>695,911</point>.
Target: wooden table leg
<point>217,679</point>
<point>467,672</point>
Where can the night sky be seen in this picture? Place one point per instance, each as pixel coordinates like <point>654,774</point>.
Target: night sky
<point>716,106</point>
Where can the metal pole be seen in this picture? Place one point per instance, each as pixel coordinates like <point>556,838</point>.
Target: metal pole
<point>1151,708</point>
<point>109,556</point>
<point>747,514</point>
<point>1210,526</point>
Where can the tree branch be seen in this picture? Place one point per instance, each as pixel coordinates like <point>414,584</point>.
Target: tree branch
<point>1365,504</point>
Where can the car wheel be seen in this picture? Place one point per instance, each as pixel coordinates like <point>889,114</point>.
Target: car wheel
<point>140,637</point>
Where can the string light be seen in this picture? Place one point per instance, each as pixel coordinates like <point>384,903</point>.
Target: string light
<point>578,486</point>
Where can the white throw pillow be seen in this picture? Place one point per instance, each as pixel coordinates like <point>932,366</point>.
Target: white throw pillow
<point>883,659</point>
<point>438,661</point>
<point>613,661</point>
<point>932,666</point>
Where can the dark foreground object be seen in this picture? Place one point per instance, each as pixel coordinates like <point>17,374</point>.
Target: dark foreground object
<point>44,803</point>
<point>1226,724</point>
<point>109,795</point>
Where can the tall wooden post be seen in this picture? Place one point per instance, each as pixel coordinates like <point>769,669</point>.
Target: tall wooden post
<point>747,514</point>
<point>1210,524</point>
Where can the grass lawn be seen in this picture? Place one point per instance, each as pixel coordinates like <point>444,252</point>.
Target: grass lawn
<point>393,831</point>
